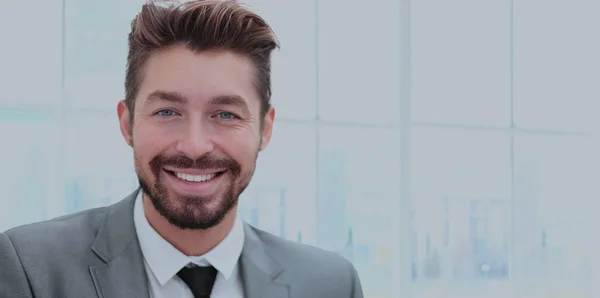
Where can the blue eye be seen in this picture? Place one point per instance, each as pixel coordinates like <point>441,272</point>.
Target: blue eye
<point>165,113</point>
<point>226,115</point>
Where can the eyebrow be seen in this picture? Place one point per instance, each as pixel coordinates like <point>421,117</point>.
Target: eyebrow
<point>175,97</point>
<point>229,100</point>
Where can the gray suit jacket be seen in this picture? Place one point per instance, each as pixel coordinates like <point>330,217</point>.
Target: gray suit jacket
<point>95,253</point>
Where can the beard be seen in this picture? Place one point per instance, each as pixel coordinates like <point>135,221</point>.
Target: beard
<point>193,212</point>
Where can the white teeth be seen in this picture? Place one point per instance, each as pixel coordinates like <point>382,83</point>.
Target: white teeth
<point>195,178</point>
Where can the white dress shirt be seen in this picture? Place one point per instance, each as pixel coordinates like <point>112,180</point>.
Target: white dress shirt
<point>163,261</point>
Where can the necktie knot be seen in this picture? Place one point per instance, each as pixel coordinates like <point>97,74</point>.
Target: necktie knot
<point>200,280</point>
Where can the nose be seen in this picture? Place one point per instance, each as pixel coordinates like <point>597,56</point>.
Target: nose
<point>195,141</point>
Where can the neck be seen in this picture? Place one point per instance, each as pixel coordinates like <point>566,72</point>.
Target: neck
<point>189,242</point>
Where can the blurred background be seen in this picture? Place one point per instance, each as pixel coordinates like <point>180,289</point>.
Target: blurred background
<point>446,148</point>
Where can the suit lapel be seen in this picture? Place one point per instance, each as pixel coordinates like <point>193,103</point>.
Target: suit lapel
<point>261,276</point>
<point>123,272</point>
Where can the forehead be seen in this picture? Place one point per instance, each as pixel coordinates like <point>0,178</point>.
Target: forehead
<point>199,77</point>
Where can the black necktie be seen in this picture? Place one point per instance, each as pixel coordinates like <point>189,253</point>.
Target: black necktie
<point>199,279</point>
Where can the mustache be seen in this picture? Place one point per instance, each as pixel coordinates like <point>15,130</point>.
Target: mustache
<point>205,162</point>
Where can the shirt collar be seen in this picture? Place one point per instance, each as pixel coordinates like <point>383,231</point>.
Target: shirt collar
<point>164,260</point>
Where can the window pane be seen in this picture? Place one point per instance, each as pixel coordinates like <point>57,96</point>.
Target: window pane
<point>557,66</point>
<point>555,215</point>
<point>98,164</point>
<point>461,204</point>
<point>359,61</point>
<point>96,51</point>
<point>29,166</point>
<point>461,62</point>
<point>294,66</point>
<point>357,213</point>
<point>30,63</point>
<point>281,198</point>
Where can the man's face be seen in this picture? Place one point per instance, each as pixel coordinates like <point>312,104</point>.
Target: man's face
<point>196,133</point>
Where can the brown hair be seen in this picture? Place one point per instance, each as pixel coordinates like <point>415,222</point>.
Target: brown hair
<point>200,25</point>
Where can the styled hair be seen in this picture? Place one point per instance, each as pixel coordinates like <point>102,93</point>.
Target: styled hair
<point>200,25</point>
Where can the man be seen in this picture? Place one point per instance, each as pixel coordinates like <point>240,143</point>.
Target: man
<point>196,112</point>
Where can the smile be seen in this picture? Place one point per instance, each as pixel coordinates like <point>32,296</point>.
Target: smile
<point>194,182</point>
<point>195,178</point>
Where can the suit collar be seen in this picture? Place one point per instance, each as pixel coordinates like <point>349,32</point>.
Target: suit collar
<point>262,275</point>
<point>117,232</point>
<point>123,274</point>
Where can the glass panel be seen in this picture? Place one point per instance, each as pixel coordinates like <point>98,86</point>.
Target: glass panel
<point>461,204</point>
<point>281,198</point>
<point>96,51</point>
<point>294,66</point>
<point>99,165</point>
<point>555,212</point>
<point>29,166</point>
<point>359,61</point>
<point>30,69</point>
<point>461,62</point>
<point>357,212</point>
<point>557,66</point>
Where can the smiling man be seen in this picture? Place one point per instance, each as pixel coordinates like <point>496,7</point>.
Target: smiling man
<point>197,113</point>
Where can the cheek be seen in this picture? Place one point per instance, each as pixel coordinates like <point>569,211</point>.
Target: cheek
<point>241,146</point>
<point>147,145</point>
<point>245,134</point>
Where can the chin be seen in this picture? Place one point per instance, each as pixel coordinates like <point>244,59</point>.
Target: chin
<point>194,213</point>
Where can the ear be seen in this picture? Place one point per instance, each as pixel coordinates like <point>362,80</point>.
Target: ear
<point>267,129</point>
<point>125,122</point>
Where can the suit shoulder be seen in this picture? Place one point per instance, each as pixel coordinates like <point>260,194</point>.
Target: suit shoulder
<point>45,234</point>
<point>308,255</point>
<point>321,273</point>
